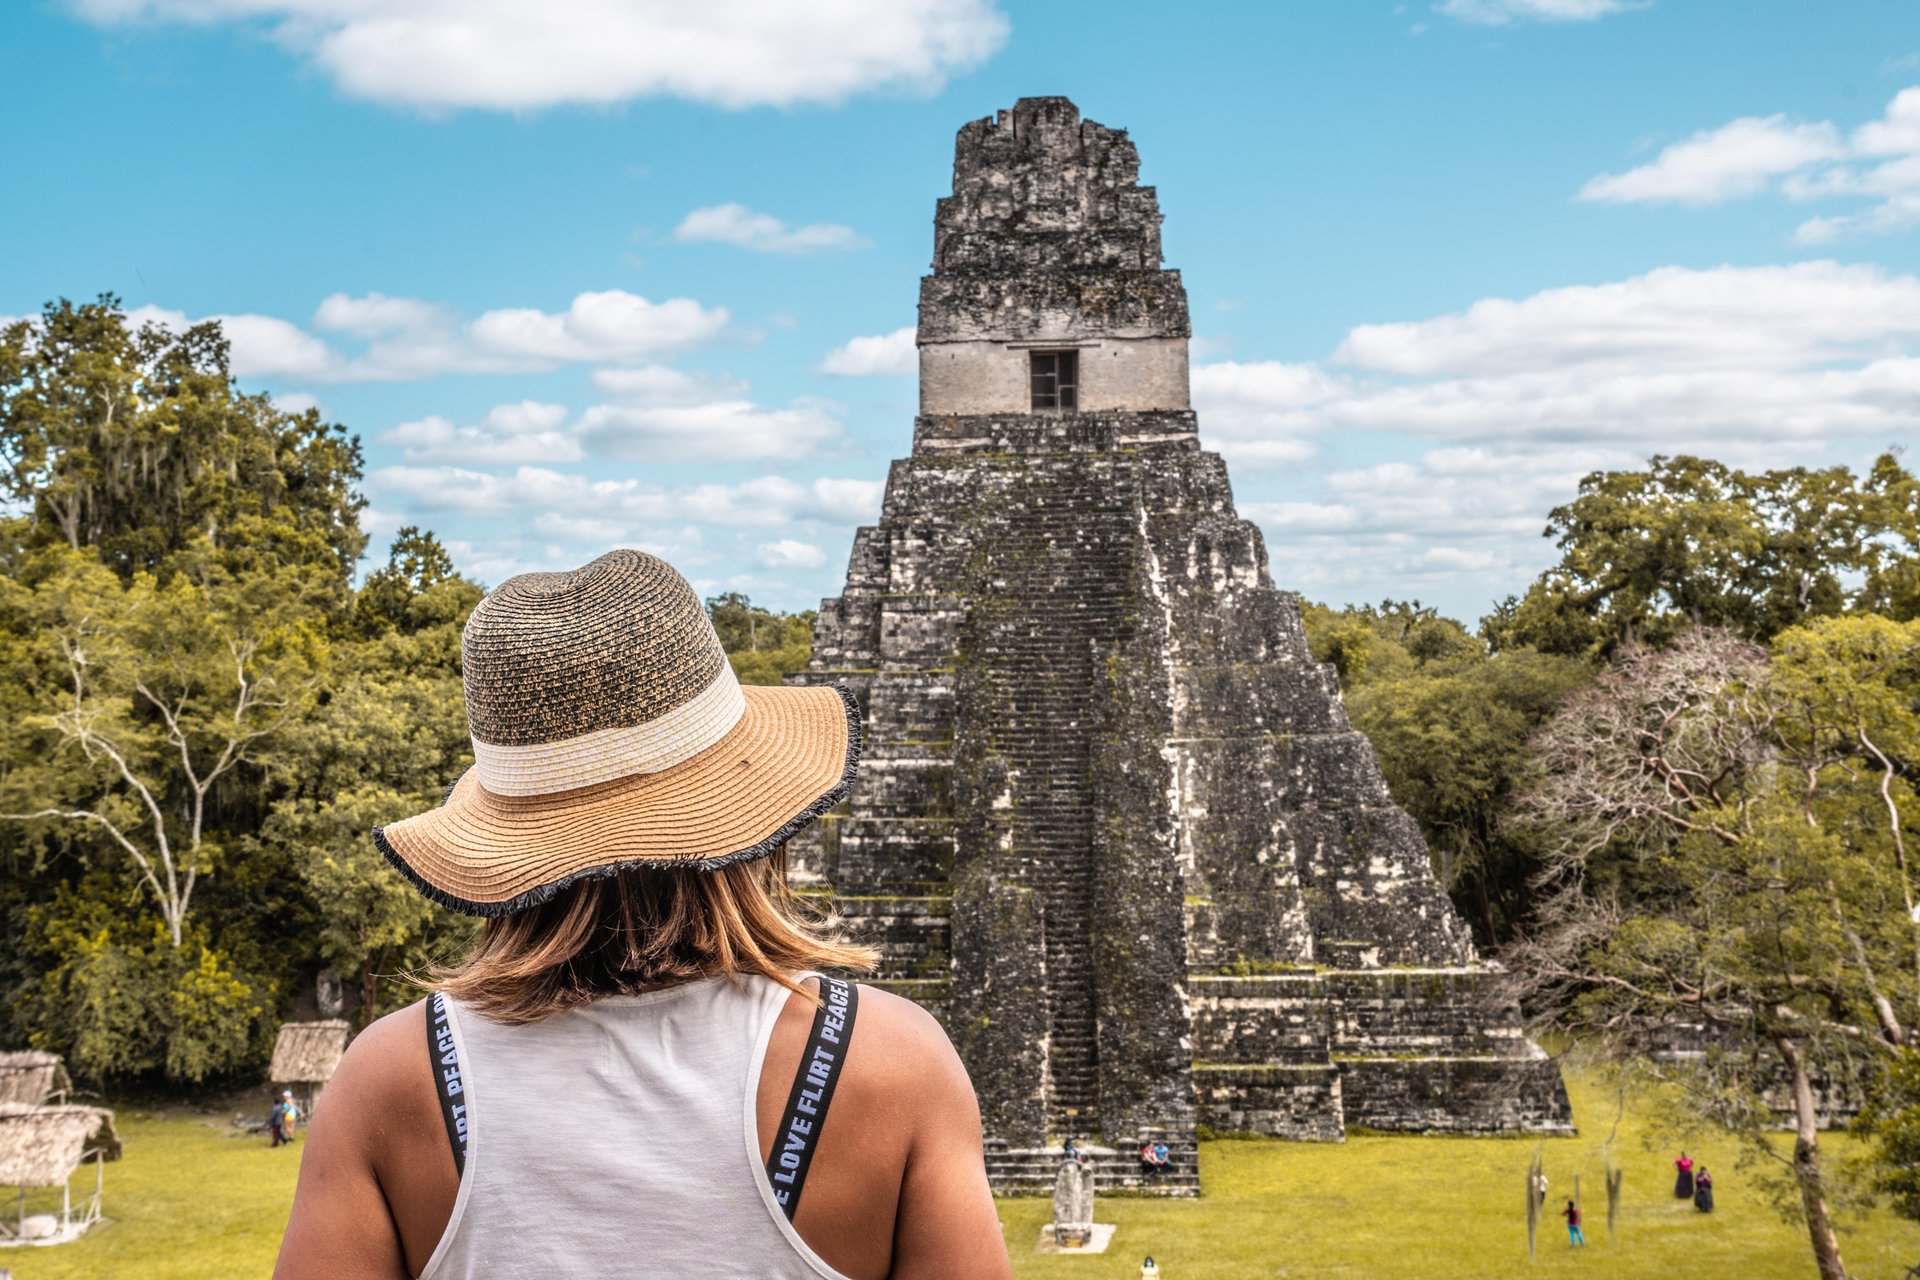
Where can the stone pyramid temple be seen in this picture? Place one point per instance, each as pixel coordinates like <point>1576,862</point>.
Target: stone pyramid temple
<point>1113,825</point>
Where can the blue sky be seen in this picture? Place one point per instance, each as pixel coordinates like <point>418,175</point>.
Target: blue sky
<point>586,273</point>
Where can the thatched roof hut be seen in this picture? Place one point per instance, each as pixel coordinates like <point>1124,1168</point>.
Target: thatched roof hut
<point>42,1146</point>
<point>307,1052</point>
<point>31,1076</point>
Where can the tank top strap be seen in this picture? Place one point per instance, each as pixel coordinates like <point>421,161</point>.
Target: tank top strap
<point>449,1087</point>
<point>798,1134</point>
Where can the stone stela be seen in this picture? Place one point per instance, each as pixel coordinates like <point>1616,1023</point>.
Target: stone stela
<point>1073,1205</point>
<point>1113,824</point>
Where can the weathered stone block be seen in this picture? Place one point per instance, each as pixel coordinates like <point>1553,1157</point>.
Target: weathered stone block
<point>1456,1095</point>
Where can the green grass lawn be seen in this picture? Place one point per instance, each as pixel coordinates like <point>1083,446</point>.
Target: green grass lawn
<point>191,1199</point>
<point>190,1202</point>
<point>1443,1208</point>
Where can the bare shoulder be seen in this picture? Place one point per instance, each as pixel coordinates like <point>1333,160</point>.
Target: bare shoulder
<point>901,1025</point>
<point>899,1046</point>
<point>388,1044</point>
<point>386,1067</point>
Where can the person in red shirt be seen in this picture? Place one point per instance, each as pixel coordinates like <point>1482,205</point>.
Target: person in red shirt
<point>1572,1214</point>
<point>1683,1179</point>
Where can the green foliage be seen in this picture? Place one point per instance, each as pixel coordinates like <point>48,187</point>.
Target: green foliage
<point>391,597</point>
<point>137,447</point>
<point>1691,542</point>
<point>199,719</point>
<point>122,1007</point>
<point>762,645</point>
<point>1450,724</point>
<point>388,738</point>
<point>1891,1122</point>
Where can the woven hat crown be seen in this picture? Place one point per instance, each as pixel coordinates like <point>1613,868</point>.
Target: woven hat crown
<point>596,673</point>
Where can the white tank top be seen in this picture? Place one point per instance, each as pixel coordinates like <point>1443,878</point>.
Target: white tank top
<point>620,1139</point>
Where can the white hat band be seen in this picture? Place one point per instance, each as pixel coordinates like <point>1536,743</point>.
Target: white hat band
<point>606,754</point>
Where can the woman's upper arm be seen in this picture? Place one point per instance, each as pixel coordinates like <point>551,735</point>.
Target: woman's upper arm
<point>947,1224</point>
<point>341,1225</point>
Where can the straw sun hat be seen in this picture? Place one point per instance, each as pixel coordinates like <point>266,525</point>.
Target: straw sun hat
<point>608,733</point>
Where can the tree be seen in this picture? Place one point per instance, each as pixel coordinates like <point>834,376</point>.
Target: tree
<point>164,694</point>
<point>387,739</point>
<point>1754,821</point>
<point>416,564</point>
<point>137,446</point>
<point>1450,724</point>
<point>1691,542</point>
<point>1453,743</point>
<point>123,1002</point>
<point>763,646</point>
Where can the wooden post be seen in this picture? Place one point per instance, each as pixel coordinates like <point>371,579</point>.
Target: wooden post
<point>1533,1201</point>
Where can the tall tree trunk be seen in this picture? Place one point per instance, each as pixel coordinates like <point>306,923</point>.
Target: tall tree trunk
<point>1484,905</point>
<point>1806,1164</point>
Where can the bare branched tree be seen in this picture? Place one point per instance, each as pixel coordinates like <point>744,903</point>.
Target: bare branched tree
<point>161,712</point>
<point>1764,943</point>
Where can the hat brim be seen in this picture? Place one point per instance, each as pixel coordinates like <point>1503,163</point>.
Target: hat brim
<point>790,758</point>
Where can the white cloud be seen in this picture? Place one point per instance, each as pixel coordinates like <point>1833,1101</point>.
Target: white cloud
<point>1261,413</point>
<point>536,492</point>
<point>1462,522</point>
<point>791,553</point>
<point>722,431</point>
<point>259,346</point>
<point>374,315</point>
<point>297,402</point>
<point>1729,163</point>
<point>441,55</point>
<point>1878,163</point>
<point>884,355</point>
<point>735,224</point>
<point>1672,319</point>
<point>1496,13</point>
<point>609,325</point>
<point>657,414</point>
<point>511,433</point>
<point>1759,367</point>
<point>661,385</point>
<point>405,339</point>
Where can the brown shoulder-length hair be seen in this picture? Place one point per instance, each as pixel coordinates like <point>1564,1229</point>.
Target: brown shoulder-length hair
<point>637,929</point>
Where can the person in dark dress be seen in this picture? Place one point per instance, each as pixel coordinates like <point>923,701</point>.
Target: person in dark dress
<point>1703,1190</point>
<point>1683,1184</point>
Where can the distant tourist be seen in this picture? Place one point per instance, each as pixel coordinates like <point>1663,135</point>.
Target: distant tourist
<point>1072,1152</point>
<point>1572,1214</point>
<point>1703,1190</point>
<point>1161,1154</point>
<point>280,1118</point>
<point>1153,1160</point>
<point>1539,1181</point>
<point>643,979</point>
<point>1148,1271</point>
<point>1683,1183</point>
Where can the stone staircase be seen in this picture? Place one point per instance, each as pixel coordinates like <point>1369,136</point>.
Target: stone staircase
<point>1057,563</point>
